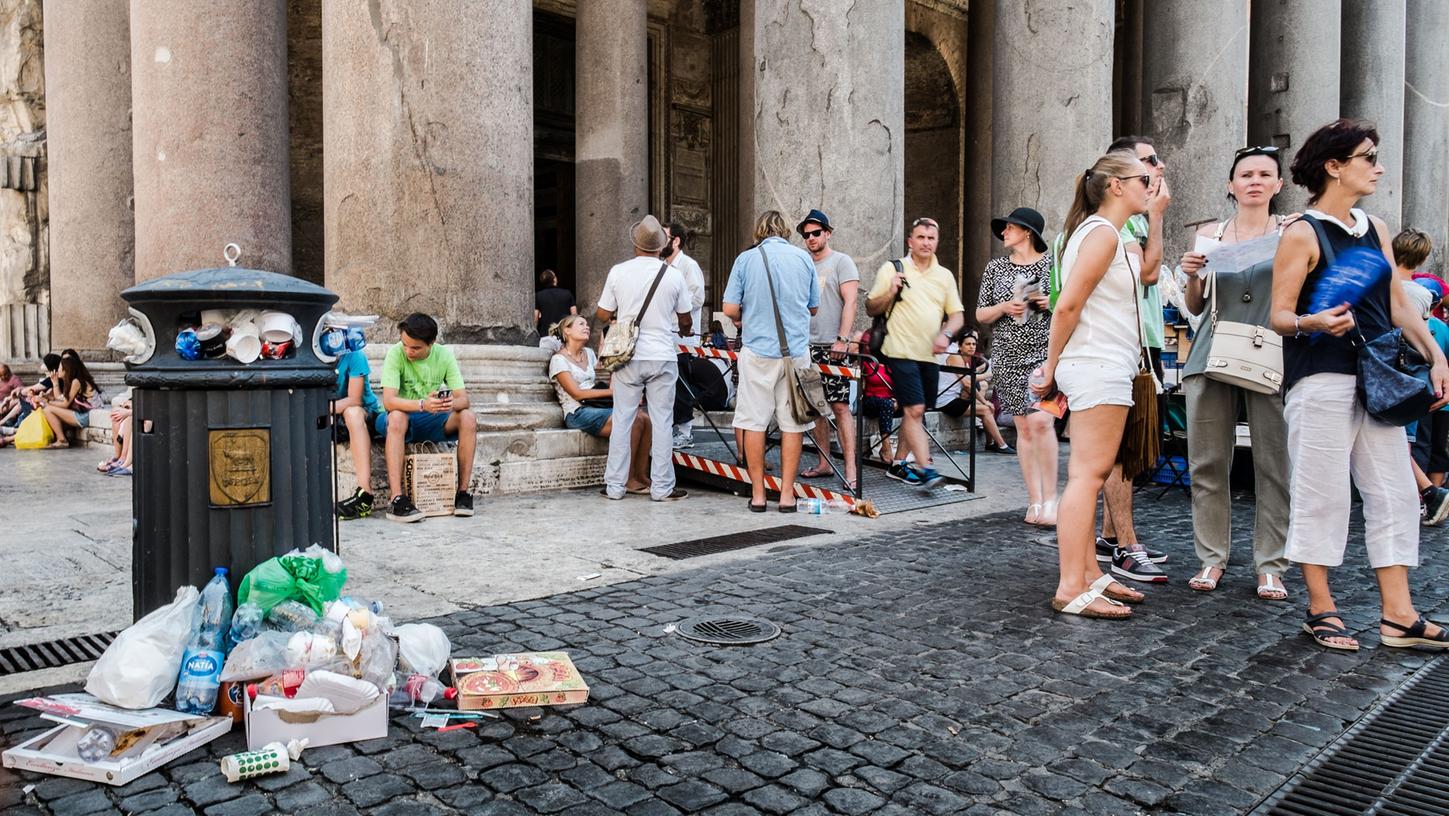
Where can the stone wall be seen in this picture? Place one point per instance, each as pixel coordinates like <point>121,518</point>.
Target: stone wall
<point>24,265</point>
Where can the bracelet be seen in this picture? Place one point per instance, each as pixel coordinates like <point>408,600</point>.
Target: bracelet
<point>1297,331</point>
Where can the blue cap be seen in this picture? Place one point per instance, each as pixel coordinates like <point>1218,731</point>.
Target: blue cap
<point>815,217</point>
<point>219,570</point>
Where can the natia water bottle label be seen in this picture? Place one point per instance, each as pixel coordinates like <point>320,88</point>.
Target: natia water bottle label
<point>202,666</point>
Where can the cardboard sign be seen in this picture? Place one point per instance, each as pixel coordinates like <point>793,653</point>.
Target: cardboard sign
<point>517,680</point>
<point>431,481</point>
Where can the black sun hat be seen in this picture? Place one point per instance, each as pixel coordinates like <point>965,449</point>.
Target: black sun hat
<point>1026,218</point>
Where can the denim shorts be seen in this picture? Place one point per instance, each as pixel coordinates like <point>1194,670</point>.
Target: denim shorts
<point>589,419</point>
<point>83,418</point>
<point>422,427</point>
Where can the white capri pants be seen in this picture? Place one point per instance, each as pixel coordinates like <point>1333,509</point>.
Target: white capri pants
<point>1331,438</point>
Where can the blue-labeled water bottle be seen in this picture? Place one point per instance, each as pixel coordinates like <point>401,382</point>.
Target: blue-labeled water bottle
<point>200,678</point>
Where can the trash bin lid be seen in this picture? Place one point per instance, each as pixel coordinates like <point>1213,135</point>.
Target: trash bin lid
<point>228,284</point>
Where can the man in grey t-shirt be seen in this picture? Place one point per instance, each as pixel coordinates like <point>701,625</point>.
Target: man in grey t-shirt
<point>830,332</point>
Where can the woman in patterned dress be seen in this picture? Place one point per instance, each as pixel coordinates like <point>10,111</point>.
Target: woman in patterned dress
<point>1014,304</point>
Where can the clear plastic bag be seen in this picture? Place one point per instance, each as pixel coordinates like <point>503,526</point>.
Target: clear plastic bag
<point>377,659</point>
<point>261,656</point>
<point>292,616</point>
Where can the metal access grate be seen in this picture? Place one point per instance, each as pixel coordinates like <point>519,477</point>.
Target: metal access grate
<point>53,654</point>
<point>734,541</point>
<point>728,631</point>
<point>1393,761</point>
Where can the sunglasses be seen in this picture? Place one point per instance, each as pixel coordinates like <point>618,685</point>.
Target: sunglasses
<point>930,222</point>
<point>815,233</point>
<point>1145,178</point>
<point>1265,150</point>
<point>1152,160</point>
<point>1372,154</point>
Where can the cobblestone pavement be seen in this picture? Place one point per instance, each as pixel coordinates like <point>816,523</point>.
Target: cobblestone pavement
<point>920,672</point>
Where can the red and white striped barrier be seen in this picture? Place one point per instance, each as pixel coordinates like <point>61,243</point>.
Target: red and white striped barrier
<point>739,474</point>
<point>724,354</point>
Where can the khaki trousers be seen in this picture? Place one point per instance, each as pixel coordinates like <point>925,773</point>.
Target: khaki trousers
<point>1212,413</point>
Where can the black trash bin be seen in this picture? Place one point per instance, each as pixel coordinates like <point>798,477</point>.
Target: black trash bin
<point>233,462</point>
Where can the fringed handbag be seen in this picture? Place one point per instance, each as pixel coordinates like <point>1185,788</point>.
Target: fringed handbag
<point>1142,437</point>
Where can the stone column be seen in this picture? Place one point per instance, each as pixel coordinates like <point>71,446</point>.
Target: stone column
<point>1426,126</point>
<point>428,163</point>
<point>92,232</point>
<point>1373,88</point>
<point>1052,80</point>
<point>1196,115</point>
<point>209,97</point>
<point>825,128</point>
<point>611,148</point>
<point>1293,79</point>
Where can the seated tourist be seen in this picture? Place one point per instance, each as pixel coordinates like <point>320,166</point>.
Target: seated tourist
<point>120,463</point>
<point>424,400</point>
<point>360,410</point>
<point>590,409</point>
<point>17,404</point>
<point>71,397</point>
<point>950,400</point>
<point>9,381</point>
<point>878,401</point>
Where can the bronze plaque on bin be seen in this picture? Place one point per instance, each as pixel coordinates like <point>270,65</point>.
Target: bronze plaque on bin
<point>240,467</point>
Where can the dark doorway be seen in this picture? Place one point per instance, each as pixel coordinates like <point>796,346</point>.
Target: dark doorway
<point>933,145</point>
<point>553,146</point>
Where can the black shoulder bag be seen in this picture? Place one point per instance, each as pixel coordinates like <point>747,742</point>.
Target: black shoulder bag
<point>879,324</point>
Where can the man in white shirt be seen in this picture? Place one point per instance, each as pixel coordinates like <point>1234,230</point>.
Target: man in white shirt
<point>651,373</point>
<point>694,280</point>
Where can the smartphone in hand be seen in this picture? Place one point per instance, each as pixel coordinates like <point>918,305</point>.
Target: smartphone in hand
<point>445,393</point>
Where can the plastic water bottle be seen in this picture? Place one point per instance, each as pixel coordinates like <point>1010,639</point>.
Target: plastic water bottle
<point>245,624</point>
<point>200,678</point>
<point>1037,377</point>
<point>96,743</point>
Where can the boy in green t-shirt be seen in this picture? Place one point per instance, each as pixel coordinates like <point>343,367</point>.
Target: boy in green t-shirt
<point>423,400</point>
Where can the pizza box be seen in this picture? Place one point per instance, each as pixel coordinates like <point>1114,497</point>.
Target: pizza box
<point>161,736</point>
<point>270,725</point>
<point>517,680</point>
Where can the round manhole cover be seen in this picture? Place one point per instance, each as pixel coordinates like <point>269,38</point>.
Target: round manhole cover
<point>724,631</point>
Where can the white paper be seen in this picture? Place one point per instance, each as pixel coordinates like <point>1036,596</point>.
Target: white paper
<point>69,708</point>
<point>1240,256</point>
<point>1205,244</point>
<point>435,720</point>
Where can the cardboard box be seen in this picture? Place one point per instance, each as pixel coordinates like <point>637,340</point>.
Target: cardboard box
<point>54,752</point>
<point>431,481</point>
<point>517,680</point>
<point>268,725</point>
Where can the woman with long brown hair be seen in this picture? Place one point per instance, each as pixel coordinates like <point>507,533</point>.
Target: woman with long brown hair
<point>1092,357</point>
<point>71,397</point>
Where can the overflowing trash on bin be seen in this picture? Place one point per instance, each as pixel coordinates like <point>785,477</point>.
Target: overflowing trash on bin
<point>296,661</point>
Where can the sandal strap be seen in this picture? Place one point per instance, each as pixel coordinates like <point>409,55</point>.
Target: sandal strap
<point>1083,601</point>
<point>1312,619</point>
<point>1417,629</point>
<point>1322,629</point>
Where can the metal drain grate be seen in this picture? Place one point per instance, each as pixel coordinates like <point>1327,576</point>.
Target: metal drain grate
<point>734,541</point>
<point>53,654</point>
<point>1393,761</point>
<point>728,631</point>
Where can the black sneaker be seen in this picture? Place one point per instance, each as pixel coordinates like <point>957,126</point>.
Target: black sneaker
<point>356,506</point>
<point>1436,505</point>
<point>904,473</point>
<point>674,495</point>
<point>463,503</point>
<point>1105,548</point>
<point>403,509</point>
<point>1136,566</point>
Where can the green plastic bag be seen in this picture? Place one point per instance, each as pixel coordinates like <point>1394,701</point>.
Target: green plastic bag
<point>313,577</point>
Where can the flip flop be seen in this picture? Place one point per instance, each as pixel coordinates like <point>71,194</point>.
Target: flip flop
<point>1318,628</point>
<point>1080,606</point>
<point>815,473</point>
<point>1125,595</point>
<point>756,508</point>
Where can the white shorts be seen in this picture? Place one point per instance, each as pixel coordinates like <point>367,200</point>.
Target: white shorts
<point>764,392</point>
<point>1089,384</point>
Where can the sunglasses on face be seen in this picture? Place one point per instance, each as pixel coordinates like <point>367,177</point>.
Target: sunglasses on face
<point>1145,178</point>
<point>1152,160</point>
<point>1372,154</point>
<point>815,233</point>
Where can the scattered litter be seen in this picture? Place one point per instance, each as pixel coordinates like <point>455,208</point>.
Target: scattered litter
<point>518,680</point>
<point>435,720</point>
<point>473,724</point>
<point>669,630</point>
<point>591,576</point>
<point>271,758</point>
<point>956,488</point>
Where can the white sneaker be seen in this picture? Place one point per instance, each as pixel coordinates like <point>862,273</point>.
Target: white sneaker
<point>683,441</point>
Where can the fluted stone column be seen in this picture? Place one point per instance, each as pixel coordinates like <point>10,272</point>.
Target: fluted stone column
<point>1294,77</point>
<point>1426,126</point>
<point>1373,88</point>
<point>209,97</point>
<point>428,163</point>
<point>88,107</point>
<point>1052,76</point>
<point>824,127</point>
<point>1197,117</point>
<point>611,169</point>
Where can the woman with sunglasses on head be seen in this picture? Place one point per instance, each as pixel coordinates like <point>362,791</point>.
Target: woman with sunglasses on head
<point>1331,437</point>
<point>1093,354</point>
<point>1240,296</point>
<point>1015,304</point>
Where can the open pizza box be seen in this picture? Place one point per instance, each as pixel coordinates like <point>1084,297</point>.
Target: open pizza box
<point>147,738</point>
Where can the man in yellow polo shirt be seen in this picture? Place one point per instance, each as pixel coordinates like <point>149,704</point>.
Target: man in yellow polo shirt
<point>916,293</point>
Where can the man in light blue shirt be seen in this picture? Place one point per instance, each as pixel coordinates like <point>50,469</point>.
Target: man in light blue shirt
<point>767,360</point>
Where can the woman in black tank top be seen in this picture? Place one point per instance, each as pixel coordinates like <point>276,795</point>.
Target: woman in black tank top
<point>1331,439</point>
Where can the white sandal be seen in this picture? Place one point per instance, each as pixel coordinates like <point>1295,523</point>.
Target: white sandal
<point>1079,605</point>
<point>1273,589</point>
<point>1033,514</point>
<point>1205,582</point>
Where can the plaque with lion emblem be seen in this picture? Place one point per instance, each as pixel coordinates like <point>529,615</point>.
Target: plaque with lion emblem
<point>240,467</point>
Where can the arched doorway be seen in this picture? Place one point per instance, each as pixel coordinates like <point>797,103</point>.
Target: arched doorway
<point>933,145</point>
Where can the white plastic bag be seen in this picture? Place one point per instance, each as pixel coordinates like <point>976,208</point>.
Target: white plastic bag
<point>140,666</point>
<point>422,648</point>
